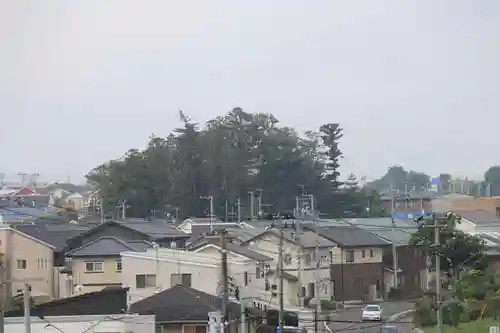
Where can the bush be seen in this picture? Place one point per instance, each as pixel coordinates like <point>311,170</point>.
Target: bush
<point>425,313</point>
<point>452,313</point>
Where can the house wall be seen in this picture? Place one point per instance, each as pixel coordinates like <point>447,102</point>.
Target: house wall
<point>38,259</point>
<point>204,270</point>
<point>95,281</point>
<point>489,204</point>
<point>103,324</point>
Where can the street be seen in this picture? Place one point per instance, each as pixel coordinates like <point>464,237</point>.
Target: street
<point>354,314</point>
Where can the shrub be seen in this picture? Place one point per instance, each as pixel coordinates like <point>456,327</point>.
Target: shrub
<point>425,313</point>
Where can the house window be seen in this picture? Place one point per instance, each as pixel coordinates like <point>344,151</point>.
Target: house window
<point>145,281</point>
<point>363,253</point>
<point>349,256</point>
<point>288,259</point>
<point>118,265</point>
<point>21,264</point>
<point>371,253</point>
<point>94,267</point>
<point>245,277</point>
<point>180,279</point>
<point>259,271</point>
<point>308,259</point>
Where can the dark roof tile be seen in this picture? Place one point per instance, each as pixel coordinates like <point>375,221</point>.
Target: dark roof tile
<point>109,246</point>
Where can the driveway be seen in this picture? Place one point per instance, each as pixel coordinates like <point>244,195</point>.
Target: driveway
<point>348,320</point>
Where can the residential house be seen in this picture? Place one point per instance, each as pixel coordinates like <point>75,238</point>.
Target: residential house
<point>477,221</point>
<point>453,202</point>
<point>357,268</point>
<point>412,275</point>
<point>102,311</point>
<point>26,259</point>
<point>55,234</point>
<point>301,261</point>
<point>182,309</point>
<point>186,226</point>
<point>162,234</point>
<point>21,214</point>
<point>146,273</point>
<point>97,264</point>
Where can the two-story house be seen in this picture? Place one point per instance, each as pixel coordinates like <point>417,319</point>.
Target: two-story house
<point>304,266</point>
<point>97,264</point>
<point>157,269</point>
<point>26,259</point>
<point>357,268</point>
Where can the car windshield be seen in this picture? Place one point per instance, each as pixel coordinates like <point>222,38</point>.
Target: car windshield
<point>372,308</point>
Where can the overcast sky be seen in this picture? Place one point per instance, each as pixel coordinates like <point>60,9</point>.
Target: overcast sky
<point>414,82</point>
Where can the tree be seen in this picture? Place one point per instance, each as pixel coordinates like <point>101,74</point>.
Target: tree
<point>492,180</point>
<point>226,158</point>
<point>457,249</point>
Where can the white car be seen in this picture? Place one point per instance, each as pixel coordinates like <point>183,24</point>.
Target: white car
<point>371,313</point>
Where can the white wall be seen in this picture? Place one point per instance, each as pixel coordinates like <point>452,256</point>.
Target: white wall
<point>204,269</point>
<point>103,324</point>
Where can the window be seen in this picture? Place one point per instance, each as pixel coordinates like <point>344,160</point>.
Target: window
<point>308,259</point>
<point>94,267</point>
<point>363,253</point>
<point>288,259</point>
<point>245,277</point>
<point>180,279</point>
<point>349,256</point>
<point>145,281</point>
<point>258,271</point>
<point>21,264</point>
<point>371,253</point>
<point>118,265</point>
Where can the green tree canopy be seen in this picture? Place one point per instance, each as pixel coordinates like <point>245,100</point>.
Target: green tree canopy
<point>226,158</point>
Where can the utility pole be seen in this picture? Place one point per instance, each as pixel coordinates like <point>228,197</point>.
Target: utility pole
<point>318,267</point>
<point>124,207</point>
<point>259,201</point>
<point>252,204</point>
<point>439,322</point>
<point>225,283</point>
<point>299,255</point>
<point>394,250</point>
<point>280,274</point>
<point>101,209</point>
<point>210,198</point>
<point>27,307</point>
<point>239,209</point>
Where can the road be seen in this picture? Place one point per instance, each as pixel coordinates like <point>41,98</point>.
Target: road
<point>354,314</point>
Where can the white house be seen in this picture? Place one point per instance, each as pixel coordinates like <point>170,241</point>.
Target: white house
<point>154,270</point>
<point>119,323</point>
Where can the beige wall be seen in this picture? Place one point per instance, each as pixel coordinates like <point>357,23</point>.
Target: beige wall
<point>38,258</point>
<point>358,255</point>
<point>95,281</point>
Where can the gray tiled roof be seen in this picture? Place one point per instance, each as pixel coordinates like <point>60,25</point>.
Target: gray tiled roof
<point>55,235</point>
<point>382,227</point>
<point>154,230</point>
<point>109,246</point>
<point>479,217</point>
<point>351,236</point>
<point>241,250</point>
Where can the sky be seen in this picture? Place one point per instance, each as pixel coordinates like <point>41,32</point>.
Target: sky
<point>414,82</point>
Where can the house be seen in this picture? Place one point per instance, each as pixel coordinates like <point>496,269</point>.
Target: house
<point>102,311</point>
<point>412,265</point>
<point>162,234</point>
<point>97,264</point>
<point>21,214</point>
<point>453,202</point>
<point>182,309</point>
<point>146,273</point>
<point>300,262</point>
<point>477,221</point>
<point>357,268</point>
<point>26,259</point>
<point>186,226</point>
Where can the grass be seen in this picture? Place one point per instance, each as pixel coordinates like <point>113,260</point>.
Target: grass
<point>479,326</point>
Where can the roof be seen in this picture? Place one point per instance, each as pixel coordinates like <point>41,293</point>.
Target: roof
<point>479,217</point>
<point>55,235</point>
<point>111,300</point>
<point>7,227</point>
<point>235,248</point>
<point>308,238</point>
<point>153,230</point>
<point>181,304</point>
<point>382,227</point>
<point>18,214</point>
<point>109,246</point>
<point>351,236</point>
